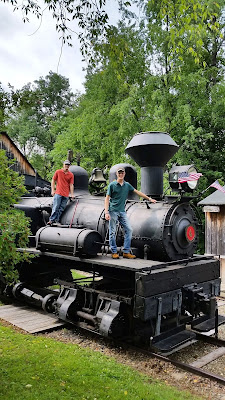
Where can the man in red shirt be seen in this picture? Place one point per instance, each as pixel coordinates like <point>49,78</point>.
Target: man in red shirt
<point>62,186</point>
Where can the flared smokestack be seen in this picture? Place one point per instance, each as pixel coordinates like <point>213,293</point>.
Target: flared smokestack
<point>151,151</point>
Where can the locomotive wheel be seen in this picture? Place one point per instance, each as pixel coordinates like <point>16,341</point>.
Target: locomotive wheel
<point>119,326</point>
<point>48,303</point>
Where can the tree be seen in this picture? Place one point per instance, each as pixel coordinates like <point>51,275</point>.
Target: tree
<point>159,75</point>
<point>104,120</point>
<point>34,109</point>
<point>183,94</point>
<point>4,103</point>
<point>129,92</point>
<point>178,16</point>
<point>14,226</point>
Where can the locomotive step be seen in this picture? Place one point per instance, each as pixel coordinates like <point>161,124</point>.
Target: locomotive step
<point>173,342</point>
<point>208,325</point>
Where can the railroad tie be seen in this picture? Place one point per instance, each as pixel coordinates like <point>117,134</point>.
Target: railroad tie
<point>201,362</point>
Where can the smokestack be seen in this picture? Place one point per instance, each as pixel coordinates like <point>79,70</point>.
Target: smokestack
<point>151,151</point>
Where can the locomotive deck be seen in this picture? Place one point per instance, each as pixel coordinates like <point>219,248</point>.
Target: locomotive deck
<point>102,260</point>
<point>136,265</point>
<point>149,277</point>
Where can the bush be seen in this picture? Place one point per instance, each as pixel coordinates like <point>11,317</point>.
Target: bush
<point>14,226</point>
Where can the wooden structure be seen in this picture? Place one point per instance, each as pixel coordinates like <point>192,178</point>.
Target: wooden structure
<point>21,164</point>
<point>214,209</point>
<point>32,321</point>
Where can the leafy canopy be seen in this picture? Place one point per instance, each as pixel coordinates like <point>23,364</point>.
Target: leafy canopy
<point>189,18</point>
<point>32,111</point>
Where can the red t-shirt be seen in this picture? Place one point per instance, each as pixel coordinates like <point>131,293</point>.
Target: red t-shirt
<point>63,182</point>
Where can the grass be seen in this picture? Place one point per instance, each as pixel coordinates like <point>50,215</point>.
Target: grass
<point>37,368</point>
<point>75,275</point>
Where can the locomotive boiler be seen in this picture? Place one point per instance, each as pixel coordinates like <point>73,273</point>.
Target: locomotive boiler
<point>154,297</point>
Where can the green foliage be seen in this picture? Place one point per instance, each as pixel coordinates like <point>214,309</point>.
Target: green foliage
<point>183,28</point>
<point>54,370</point>
<point>163,73</point>
<point>11,185</point>
<point>123,98</point>
<point>4,101</point>
<point>33,110</point>
<point>107,115</point>
<point>186,23</point>
<point>14,226</point>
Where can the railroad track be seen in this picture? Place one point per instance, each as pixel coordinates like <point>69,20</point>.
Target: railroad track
<point>195,367</point>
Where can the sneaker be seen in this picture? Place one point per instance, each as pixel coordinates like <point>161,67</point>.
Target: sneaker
<point>115,255</point>
<point>57,224</point>
<point>129,255</point>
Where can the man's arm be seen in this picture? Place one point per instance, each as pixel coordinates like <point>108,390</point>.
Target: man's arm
<point>140,194</point>
<point>107,216</point>
<point>72,190</point>
<point>53,183</point>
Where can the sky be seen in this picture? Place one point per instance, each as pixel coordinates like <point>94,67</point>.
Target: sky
<point>27,53</point>
<point>31,50</point>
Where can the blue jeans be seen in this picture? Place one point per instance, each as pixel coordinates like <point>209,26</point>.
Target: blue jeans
<point>59,205</point>
<point>116,216</point>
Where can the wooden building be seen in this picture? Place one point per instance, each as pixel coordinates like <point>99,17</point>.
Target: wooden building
<point>214,209</point>
<point>21,164</point>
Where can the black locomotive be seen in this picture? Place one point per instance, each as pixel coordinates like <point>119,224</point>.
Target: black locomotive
<point>152,298</point>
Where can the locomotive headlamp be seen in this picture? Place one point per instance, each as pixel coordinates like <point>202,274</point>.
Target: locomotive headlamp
<point>183,177</point>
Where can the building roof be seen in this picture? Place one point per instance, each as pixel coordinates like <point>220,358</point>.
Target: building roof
<point>217,198</point>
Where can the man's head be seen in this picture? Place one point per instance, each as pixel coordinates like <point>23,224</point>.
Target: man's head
<point>120,172</point>
<point>66,165</point>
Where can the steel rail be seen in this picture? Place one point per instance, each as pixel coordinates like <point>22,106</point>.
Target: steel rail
<point>190,368</point>
<point>210,339</point>
<point>179,364</point>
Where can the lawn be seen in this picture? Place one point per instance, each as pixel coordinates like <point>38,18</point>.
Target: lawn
<point>38,368</point>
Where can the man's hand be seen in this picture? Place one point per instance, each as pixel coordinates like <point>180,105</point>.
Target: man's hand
<point>53,192</point>
<point>152,200</point>
<point>107,216</point>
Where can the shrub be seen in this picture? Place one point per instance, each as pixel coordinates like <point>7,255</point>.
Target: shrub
<point>14,226</point>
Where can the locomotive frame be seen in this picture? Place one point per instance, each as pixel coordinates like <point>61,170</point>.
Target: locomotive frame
<point>152,298</point>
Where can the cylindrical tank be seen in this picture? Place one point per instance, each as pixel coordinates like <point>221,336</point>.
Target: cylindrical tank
<point>86,212</point>
<point>69,240</point>
<point>169,230</point>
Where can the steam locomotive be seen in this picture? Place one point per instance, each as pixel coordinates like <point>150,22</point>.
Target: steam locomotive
<point>153,298</point>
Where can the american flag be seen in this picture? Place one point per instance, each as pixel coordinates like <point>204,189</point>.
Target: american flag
<point>217,186</point>
<point>185,177</point>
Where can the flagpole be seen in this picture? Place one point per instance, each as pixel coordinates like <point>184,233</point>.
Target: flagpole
<point>205,190</point>
<point>201,193</point>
